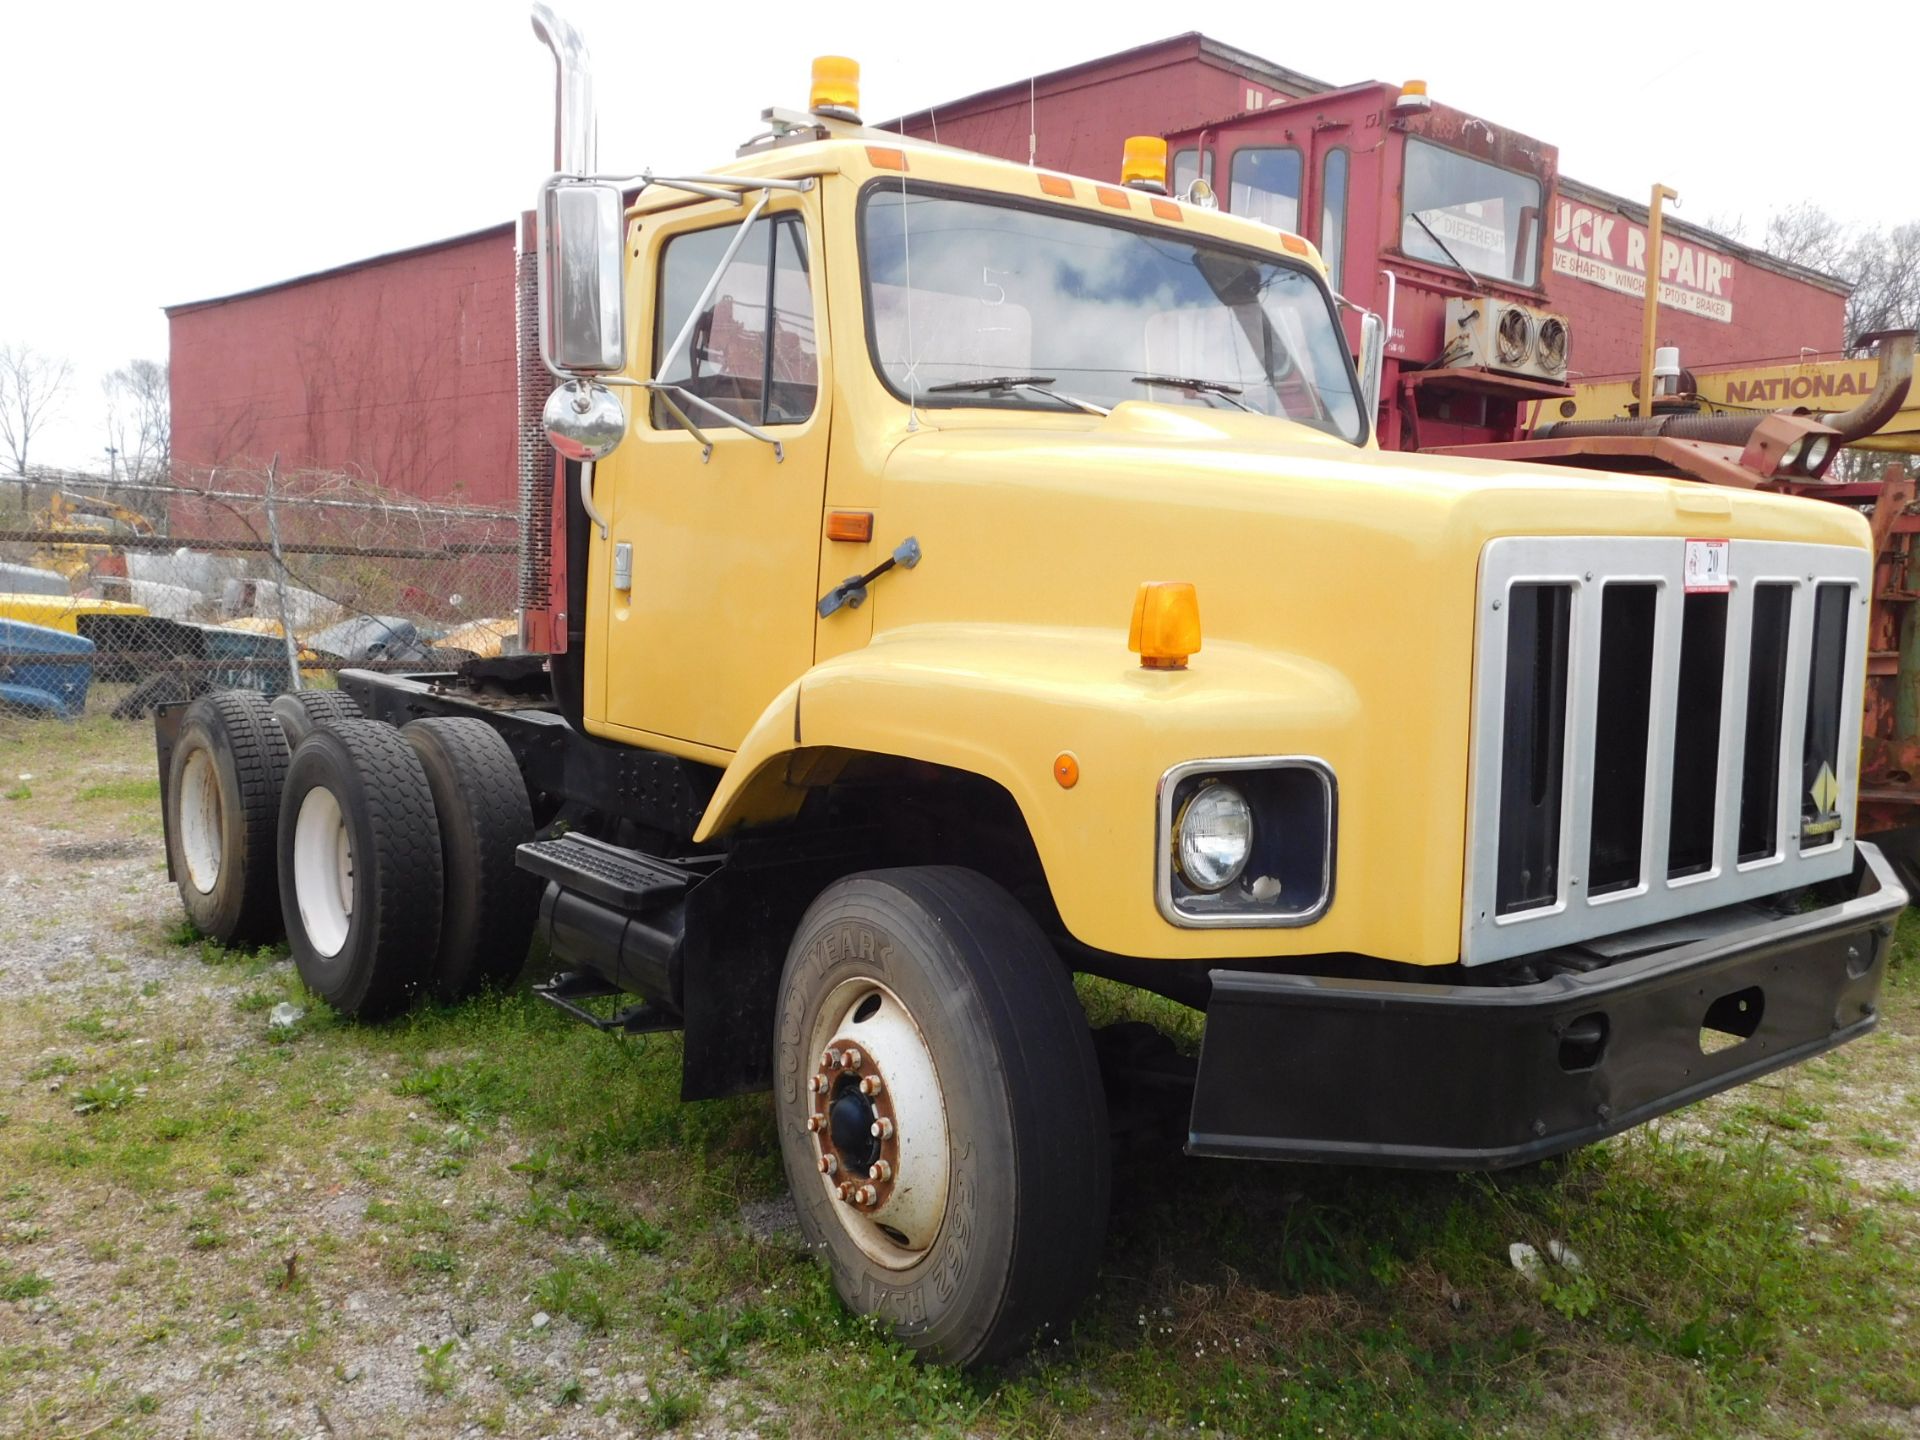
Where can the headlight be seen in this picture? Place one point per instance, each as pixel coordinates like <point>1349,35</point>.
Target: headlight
<point>1213,837</point>
<point>1791,455</point>
<point>1817,449</point>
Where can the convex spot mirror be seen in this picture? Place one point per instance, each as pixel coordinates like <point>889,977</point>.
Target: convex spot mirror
<point>584,421</point>
<point>583,328</point>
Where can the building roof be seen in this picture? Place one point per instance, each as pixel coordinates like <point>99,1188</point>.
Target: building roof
<point>1191,42</point>
<point>184,307</point>
<point>1637,212</point>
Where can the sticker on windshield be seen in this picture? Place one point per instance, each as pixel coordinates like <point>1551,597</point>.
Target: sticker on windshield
<point>1706,572</point>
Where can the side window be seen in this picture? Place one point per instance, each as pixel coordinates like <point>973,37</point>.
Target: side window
<point>1189,166</point>
<point>753,351</point>
<point>1333,214</point>
<point>1266,186</point>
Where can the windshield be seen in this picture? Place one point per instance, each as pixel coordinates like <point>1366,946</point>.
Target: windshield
<point>962,292</point>
<point>1487,217</point>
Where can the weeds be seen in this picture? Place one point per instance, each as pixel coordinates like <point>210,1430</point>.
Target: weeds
<point>436,1367</point>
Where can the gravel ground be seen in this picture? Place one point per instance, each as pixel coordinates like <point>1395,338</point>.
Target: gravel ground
<point>135,1321</point>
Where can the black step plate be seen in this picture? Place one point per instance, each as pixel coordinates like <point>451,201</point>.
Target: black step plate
<point>624,879</point>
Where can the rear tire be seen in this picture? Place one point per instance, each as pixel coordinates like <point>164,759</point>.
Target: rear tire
<point>486,922</point>
<point>360,872</point>
<point>298,712</point>
<point>977,1213</point>
<point>223,803</point>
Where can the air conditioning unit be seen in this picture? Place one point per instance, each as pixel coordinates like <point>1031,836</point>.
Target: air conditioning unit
<point>1500,335</point>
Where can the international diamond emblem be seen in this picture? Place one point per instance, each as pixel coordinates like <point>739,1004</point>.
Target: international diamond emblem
<point>1825,791</point>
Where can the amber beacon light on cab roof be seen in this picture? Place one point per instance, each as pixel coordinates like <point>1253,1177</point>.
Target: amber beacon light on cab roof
<point>965,574</point>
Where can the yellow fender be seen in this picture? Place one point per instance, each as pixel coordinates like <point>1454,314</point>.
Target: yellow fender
<point>1004,702</point>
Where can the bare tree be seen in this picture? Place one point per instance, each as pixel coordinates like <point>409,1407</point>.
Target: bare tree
<point>139,420</point>
<point>1882,265</point>
<point>31,385</point>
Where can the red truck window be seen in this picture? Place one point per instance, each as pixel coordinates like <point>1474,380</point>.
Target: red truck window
<point>1266,186</point>
<point>1333,213</point>
<point>1459,209</point>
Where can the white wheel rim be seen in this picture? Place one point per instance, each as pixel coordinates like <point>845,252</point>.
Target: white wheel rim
<point>323,871</point>
<point>201,827</point>
<point>896,1210</point>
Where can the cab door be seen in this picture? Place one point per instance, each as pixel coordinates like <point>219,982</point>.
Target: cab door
<point>709,615</point>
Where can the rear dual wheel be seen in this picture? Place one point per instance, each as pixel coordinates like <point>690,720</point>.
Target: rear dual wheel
<point>223,802</point>
<point>361,879</point>
<point>397,865</point>
<point>940,1111</point>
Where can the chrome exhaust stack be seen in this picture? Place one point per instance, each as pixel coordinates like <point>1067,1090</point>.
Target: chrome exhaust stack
<point>576,139</point>
<point>576,125</point>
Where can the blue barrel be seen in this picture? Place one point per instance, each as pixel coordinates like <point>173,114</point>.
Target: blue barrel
<point>44,670</point>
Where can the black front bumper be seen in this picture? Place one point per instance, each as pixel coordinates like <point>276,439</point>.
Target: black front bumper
<point>1480,1076</point>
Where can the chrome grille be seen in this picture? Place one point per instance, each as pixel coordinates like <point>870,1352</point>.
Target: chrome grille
<point>1642,751</point>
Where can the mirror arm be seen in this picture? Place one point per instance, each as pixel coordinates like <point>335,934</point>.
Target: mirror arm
<point>680,416</point>
<point>723,416</point>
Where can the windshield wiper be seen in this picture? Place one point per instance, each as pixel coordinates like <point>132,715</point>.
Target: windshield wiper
<point>1036,383</point>
<point>1228,393</point>
<point>1420,219</point>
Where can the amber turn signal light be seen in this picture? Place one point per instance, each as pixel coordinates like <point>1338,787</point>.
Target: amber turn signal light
<point>853,525</point>
<point>1166,624</point>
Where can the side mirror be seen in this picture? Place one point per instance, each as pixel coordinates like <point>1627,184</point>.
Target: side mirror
<point>583,323</point>
<point>1373,364</point>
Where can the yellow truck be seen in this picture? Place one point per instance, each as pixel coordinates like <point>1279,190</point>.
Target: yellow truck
<point>971,575</point>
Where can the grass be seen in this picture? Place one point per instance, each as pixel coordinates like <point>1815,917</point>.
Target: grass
<point>1748,1268</point>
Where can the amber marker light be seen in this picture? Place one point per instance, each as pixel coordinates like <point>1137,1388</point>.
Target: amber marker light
<point>1066,769</point>
<point>836,87</point>
<point>1166,624</point>
<point>1143,163</point>
<point>854,525</point>
<point>881,158</point>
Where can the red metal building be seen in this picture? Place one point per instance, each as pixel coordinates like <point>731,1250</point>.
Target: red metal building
<point>399,369</point>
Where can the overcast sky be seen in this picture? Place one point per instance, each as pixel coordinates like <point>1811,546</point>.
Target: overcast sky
<point>157,152</point>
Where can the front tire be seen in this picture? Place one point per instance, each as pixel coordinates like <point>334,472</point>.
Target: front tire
<point>360,870</point>
<point>940,1111</point>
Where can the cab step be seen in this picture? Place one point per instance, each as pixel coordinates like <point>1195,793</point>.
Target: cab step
<point>620,878</point>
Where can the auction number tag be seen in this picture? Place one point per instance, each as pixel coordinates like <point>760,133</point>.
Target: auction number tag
<point>1707,567</point>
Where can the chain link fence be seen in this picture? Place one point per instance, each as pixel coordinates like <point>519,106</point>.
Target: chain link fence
<point>119,594</point>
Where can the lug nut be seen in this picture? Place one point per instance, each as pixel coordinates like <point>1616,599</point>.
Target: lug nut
<point>814,1123</point>
<point>880,1170</point>
<point>871,1085</point>
<point>852,1058</point>
<point>828,1165</point>
<point>819,1084</point>
<point>883,1128</point>
<point>846,1191</point>
<point>866,1195</point>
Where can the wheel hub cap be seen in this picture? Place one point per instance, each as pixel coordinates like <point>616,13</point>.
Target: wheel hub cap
<point>878,1122</point>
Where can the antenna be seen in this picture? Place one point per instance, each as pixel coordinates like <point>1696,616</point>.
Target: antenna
<point>1033,124</point>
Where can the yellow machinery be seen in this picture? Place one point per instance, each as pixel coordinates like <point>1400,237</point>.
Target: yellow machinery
<point>92,521</point>
<point>1814,383</point>
<point>965,574</point>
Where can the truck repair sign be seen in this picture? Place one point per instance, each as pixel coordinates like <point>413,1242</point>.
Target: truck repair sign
<point>1607,249</point>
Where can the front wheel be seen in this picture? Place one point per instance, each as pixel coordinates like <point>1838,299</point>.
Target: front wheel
<point>940,1111</point>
